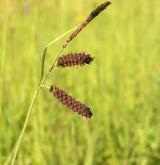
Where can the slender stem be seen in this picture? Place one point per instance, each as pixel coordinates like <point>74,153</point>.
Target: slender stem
<point>31,106</point>
<point>24,126</point>
<point>16,148</point>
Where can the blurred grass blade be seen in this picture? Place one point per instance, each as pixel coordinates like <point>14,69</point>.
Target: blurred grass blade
<point>43,61</point>
<point>50,44</point>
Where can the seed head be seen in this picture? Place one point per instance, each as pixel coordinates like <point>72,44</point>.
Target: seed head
<point>73,59</point>
<point>98,10</point>
<point>93,14</point>
<point>70,102</point>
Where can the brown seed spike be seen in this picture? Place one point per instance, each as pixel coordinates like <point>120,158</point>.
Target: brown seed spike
<point>73,59</point>
<point>70,102</point>
<point>98,10</point>
<point>93,14</point>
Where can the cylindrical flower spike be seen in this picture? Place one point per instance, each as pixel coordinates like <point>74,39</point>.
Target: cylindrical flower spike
<point>73,59</point>
<point>92,15</point>
<point>70,102</point>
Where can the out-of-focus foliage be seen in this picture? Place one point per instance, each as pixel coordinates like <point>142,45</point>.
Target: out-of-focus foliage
<point>122,85</point>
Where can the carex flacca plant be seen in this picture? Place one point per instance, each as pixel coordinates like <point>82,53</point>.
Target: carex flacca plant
<point>62,61</point>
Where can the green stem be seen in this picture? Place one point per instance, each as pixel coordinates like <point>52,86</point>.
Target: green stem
<point>31,106</point>
<point>16,148</point>
<point>24,126</point>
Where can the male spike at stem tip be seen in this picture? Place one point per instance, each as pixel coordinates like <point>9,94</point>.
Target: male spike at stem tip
<point>92,15</point>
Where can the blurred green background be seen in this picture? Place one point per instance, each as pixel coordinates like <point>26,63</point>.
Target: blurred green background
<point>121,86</point>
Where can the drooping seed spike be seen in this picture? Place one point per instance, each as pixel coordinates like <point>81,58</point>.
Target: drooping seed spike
<point>73,59</point>
<point>92,15</point>
<point>70,102</point>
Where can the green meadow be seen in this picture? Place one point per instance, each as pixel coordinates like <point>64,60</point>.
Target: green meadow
<point>121,85</point>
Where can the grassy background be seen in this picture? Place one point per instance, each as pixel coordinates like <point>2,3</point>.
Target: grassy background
<point>122,86</point>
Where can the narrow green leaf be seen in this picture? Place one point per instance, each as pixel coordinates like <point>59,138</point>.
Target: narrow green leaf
<point>50,44</point>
